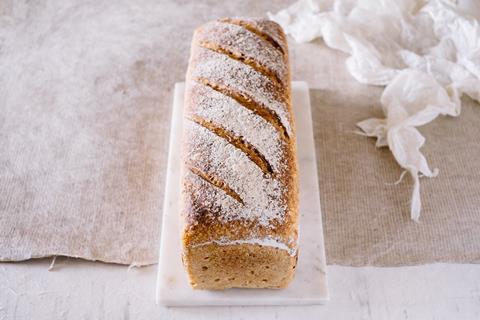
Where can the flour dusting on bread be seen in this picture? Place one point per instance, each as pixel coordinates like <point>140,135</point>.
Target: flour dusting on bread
<point>240,196</point>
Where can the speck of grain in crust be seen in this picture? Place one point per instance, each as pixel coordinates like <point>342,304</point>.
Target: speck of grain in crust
<point>250,45</point>
<point>262,195</point>
<point>221,69</point>
<point>218,108</point>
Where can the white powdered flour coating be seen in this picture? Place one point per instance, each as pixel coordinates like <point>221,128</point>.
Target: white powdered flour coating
<point>274,242</point>
<point>214,199</point>
<point>238,39</point>
<point>225,111</point>
<point>267,27</point>
<point>262,196</point>
<point>221,69</point>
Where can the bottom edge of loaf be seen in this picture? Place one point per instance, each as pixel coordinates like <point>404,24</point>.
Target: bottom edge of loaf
<point>217,267</point>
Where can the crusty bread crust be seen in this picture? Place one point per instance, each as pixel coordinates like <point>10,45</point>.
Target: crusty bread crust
<point>216,267</point>
<point>239,180</point>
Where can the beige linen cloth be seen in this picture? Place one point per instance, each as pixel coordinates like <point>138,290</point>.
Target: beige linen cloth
<point>85,98</point>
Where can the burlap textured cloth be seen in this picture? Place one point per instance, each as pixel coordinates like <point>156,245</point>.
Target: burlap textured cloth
<point>85,98</point>
<point>366,216</point>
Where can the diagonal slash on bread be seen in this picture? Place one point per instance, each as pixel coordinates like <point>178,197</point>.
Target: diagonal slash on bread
<point>240,194</point>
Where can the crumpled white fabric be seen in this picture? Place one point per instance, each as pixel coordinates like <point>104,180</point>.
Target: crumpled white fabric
<point>426,53</point>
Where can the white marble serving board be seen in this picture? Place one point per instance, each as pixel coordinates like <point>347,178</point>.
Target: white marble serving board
<point>309,285</point>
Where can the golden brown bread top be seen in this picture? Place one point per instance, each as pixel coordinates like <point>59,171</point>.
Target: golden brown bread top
<point>239,164</point>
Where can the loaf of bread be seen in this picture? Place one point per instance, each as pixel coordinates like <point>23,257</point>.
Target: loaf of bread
<point>239,170</point>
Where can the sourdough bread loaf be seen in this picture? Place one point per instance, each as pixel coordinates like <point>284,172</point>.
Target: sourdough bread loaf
<point>239,170</point>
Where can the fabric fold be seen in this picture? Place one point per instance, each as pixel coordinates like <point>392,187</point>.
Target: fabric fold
<point>426,53</point>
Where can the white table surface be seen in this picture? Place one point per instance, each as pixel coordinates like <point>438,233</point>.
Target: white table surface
<point>77,289</point>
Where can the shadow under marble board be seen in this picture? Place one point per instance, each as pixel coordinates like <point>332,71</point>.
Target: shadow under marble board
<point>309,286</point>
